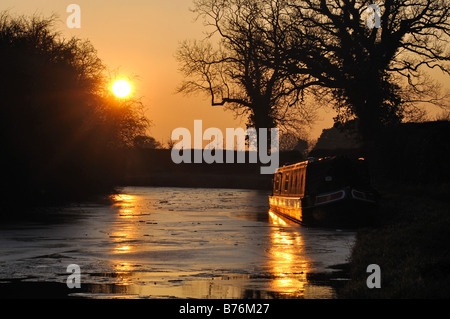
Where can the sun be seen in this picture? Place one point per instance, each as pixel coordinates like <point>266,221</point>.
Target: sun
<point>121,88</point>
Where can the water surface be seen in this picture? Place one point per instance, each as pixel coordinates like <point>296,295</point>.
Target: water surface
<point>175,243</point>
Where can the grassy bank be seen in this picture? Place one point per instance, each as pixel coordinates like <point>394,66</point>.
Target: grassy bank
<point>410,243</point>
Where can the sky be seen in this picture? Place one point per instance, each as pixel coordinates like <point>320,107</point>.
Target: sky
<point>138,39</point>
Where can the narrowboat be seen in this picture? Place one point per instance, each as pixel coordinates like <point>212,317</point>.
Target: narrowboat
<point>332,191</point>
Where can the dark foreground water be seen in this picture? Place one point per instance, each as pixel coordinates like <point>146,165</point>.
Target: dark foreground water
<point>172,243</point>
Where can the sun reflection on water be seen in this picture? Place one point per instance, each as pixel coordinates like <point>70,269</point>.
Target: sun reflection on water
<point>286,260</point>
<point>125,229</point>
<point>122,197</point>
<point>123,249</point>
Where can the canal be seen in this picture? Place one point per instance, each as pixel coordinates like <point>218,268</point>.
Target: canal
<point>173,243</point>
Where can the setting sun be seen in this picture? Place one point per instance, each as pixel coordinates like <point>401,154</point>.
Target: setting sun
<point>121,88</point>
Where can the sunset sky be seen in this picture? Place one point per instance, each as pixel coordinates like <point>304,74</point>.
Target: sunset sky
<point>138,38</point>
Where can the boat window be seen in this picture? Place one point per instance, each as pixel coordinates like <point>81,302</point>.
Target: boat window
<point>294,184</point>
<point>301,182</point>
<point>276,186</point>
<point>289,190</point>
<point>286,182</point>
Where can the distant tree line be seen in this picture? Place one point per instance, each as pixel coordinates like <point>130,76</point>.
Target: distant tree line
<point>61,129</point>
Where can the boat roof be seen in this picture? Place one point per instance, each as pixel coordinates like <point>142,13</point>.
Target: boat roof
<point>302,164</point>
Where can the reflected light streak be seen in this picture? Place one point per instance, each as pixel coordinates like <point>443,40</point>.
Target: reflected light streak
<point>286,259</point>
<point>125,227</point>
<point>275,219</point>
<point>123,249</point>
<point>127,213</point>
<point>122,197</point>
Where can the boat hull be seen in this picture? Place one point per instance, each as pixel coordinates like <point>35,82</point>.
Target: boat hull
<point>346,211</point>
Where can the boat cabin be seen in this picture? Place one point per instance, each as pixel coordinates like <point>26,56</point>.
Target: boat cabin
<point>319,176</point>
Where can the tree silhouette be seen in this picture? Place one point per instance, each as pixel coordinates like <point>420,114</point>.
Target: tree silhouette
<point>238,64</point>
<point>373,74</point>
<point>61,129</point>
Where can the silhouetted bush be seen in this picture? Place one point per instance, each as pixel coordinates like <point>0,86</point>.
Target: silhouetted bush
<point>61,130</point>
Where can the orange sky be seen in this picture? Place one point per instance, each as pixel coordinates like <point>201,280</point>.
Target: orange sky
<point>139,38</point>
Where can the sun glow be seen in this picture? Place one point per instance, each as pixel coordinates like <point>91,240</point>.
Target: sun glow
<point>121,88</point>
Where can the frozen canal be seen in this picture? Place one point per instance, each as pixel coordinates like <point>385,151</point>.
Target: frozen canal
<point>172,242</point>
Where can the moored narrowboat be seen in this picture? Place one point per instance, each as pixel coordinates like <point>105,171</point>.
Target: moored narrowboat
<point>333,191</point>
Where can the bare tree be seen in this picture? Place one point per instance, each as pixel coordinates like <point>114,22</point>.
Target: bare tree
<point>239,63</point>
<point>368,71</point>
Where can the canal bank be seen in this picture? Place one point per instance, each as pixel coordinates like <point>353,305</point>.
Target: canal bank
<point>410,243</point>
